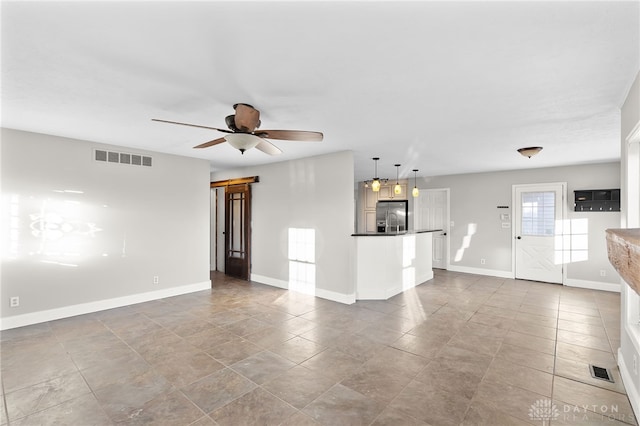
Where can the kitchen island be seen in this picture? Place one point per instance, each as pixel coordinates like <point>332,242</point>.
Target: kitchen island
<point>390,263</point>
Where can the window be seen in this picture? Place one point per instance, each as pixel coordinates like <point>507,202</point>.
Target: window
<point>538,213</point>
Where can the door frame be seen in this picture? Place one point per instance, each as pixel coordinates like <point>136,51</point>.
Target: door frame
<point>218,214</point>
<point>563,220</point>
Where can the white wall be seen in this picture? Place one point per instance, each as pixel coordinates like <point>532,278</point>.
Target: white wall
<point>474,200</point>
<point>119,227</point>
<point>312,193</point>
<point>629,353</point>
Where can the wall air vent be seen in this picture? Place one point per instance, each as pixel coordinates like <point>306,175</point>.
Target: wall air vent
<point>125,158</point>
<point>122,158</point>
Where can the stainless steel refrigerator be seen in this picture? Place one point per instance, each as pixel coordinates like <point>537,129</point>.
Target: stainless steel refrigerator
<point>392,215</point>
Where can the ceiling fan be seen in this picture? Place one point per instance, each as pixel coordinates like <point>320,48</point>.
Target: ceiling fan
<point>243,132</point>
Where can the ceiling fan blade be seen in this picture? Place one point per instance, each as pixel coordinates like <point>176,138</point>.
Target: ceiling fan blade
<point>191,125</point>
<point>211,143</point>
<point>247,118</point>
<point>290,135</point>
<point>268,148</point>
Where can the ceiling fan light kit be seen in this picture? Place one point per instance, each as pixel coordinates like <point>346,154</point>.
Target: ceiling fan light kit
<point>242,141</point>
<point>243,133</point>
<point>530,151</point>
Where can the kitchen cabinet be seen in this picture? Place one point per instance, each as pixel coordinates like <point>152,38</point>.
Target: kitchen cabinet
<point>386,192</point>
<point>369,200</point>
<point>370,221</point>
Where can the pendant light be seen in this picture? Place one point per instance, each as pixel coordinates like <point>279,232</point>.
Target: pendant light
<point>375,185</point>
<point>415,191</point>
<point>397,189</point>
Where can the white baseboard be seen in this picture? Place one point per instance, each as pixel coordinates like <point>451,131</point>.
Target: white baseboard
<point>593,285</point>
<point>389,292</point>
<point>100,305</point>
<point>379,293</point>
<point>347,299</point>
<point>325,294</point>
<point>629,386</point>
<point>481,271</point>
<point>424,278</point>
<point>270,281</point>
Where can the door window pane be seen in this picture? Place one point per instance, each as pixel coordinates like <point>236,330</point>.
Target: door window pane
<point>237,235</point>
<point>538,213</point>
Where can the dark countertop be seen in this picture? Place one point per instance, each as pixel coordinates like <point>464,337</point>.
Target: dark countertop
<point>393,234</point>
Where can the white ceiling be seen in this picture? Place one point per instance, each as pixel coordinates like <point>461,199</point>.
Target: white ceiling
<point>445,87</point>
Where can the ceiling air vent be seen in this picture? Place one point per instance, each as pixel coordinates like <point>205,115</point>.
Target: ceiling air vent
<point>122,158</point>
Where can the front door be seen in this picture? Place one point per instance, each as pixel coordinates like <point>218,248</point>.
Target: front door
<point>238,231</point>
<point>538,232</point>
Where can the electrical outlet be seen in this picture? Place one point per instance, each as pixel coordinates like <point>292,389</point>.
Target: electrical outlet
<point>15,302</point>
<point>483,261</point>
<point>156,279</point>
<point>603,273</point>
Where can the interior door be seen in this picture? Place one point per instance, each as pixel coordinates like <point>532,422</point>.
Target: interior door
<point>434,214</point>
<point>238,231</point>
<point>538,232</point>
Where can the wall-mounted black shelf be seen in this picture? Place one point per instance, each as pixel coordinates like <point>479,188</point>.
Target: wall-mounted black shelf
<point>597,200</point>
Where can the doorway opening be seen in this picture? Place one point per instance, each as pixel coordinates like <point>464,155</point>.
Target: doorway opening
<point>231,242</point>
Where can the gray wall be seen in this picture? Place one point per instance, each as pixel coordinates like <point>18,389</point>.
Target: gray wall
<point>314,192</point>
<point>475,197</point>
<point>128,224</point>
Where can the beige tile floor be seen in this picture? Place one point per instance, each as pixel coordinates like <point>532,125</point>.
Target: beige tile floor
<point>458,350</point>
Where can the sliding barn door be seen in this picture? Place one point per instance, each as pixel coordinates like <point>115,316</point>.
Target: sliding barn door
<point>238,231</point>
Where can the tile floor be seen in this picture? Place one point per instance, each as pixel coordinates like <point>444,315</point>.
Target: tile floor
<point>458,350</point>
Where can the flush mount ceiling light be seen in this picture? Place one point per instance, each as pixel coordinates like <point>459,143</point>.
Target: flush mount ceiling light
<point>397,189</point>
<point>530,151</point>
<point>415,191</point>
